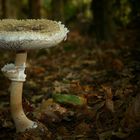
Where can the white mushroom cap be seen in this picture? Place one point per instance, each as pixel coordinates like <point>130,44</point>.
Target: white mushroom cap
<point>30,33</point>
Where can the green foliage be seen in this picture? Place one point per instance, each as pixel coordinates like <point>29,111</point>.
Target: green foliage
<point>73,7</point>
<point>24,2</point>
<point>70,9</point>
<point>122,12</point>
<point>47,4</point>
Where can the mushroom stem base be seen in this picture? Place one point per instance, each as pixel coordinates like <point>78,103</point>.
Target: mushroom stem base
<point>20,119</point>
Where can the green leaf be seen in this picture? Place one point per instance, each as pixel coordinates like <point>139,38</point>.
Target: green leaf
<point>69,99</point>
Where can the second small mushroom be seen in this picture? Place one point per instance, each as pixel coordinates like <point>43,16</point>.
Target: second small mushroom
<point>20,36</point>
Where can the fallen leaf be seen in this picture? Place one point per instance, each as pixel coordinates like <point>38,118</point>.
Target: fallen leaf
<point>117,64</point>
<point>132,115</point>
<point>49,112</point>
<point>108,96</point>
<point>70,99</point>
<point>50,105</point>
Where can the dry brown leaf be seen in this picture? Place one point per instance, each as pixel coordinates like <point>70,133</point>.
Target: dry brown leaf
<point>108,96</point>
<point>38,70</point>
<point>132,115</point>
<point>50,105</point>
<point>117,64</point>
<point>49,112</point>
<point>60,87</point>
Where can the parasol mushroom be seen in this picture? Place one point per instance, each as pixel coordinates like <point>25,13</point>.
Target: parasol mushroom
<point>20,36</point>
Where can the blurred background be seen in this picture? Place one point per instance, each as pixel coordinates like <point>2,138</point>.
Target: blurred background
<point>100,18</point>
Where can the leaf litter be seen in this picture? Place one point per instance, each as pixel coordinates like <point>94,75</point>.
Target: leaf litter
<point>79,90</point>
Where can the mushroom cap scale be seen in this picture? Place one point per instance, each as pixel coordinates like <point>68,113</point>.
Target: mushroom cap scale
<point>30,33</point>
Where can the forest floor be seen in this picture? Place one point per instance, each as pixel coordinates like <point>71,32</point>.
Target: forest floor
<point>104,80</point>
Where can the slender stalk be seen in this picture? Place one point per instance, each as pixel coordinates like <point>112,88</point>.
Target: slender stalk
<point>21,121</point>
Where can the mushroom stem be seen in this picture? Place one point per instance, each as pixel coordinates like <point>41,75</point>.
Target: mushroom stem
<point>21,121</point>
